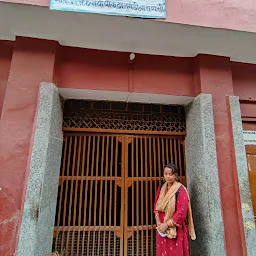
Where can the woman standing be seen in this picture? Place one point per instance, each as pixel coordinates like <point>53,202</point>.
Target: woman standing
<point>173,216</point>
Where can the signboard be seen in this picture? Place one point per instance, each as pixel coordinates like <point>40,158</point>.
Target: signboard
<point>133,8</point>
<point>249,137</point>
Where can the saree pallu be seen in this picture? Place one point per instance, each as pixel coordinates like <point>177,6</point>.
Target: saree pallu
<point>178,246</point>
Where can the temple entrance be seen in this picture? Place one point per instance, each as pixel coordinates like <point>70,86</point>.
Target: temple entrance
<point>107,186</point>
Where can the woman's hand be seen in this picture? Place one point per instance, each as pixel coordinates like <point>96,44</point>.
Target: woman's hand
<point>163,227</point>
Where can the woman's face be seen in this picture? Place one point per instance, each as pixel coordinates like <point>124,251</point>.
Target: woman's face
<point>169,176</point>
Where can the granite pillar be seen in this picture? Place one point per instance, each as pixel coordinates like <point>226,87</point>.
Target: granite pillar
<point>202,178</point>
<point>42,188</point>
<point>32,61</point>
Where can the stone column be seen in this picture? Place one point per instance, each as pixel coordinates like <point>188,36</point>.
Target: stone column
<point>32,62</point>
<point>213,75</point>
<point>202,178</point>
<point>42,188</point>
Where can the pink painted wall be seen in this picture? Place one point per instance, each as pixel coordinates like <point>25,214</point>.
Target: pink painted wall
<point>230,14</point>
<point>244,80</point>
<point>103,70</point>
<point>163,75</point>
<point>244,84</point>
<point>91,69</point>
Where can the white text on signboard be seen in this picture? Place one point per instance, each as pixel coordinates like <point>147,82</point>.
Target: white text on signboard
<point>249,137</point>
<point>134,8</point>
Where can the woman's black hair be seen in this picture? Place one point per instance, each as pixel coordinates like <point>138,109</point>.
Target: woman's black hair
<point>174,169</point>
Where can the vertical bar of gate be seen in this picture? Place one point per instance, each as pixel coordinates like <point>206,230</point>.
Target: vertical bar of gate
<point>96,192</point>
<point>167,150</point>
<point>105,198</point>
<point>179,158</point>
<point>66,194</point>
<point>146,196</point>
<point>137,195</point>
<point>75,200</point>
<point>71,192</point>
<point>163,154</point>
<point>83,138</point>
<point>171,150</point>
<point>159,160</point>
<point>123,190</point>
<point>175,152</point>
<point>133,175</point>
<point>154,162</point>
<point>101,185</point>
<point>155,165</point>
<point>184,159</point>
<point>110,193</point>
<point>90,207</point>
<point>115,194</point>
<point>142,194</point>
<point>152,181</point>
<point>86,201</point>
<point>61,190</point>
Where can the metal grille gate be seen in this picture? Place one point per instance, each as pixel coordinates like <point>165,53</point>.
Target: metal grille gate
<point>106,192</point>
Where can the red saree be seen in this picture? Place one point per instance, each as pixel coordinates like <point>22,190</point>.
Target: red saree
<point>180,245</point>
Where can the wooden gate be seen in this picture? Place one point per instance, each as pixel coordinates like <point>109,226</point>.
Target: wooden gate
<point>106,192</point>
<point>251,162</point>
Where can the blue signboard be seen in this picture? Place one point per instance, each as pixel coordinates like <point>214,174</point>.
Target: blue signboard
<point>134,8</point>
